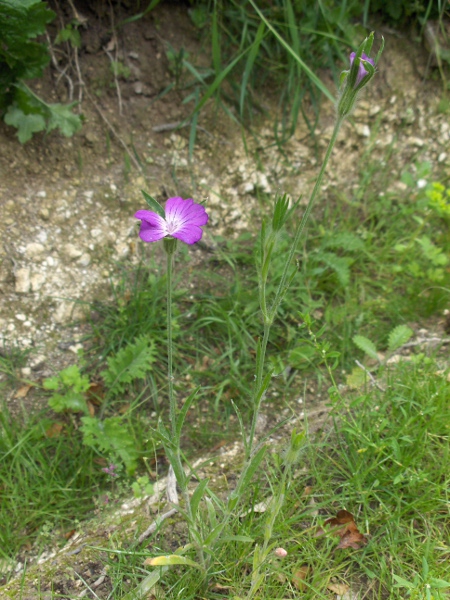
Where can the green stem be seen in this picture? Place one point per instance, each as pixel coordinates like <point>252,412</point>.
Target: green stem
<point>257,398</point>
<point>173,404</point>
<point>301,226</point>
<point>172,401</point>
<point>269,315</point>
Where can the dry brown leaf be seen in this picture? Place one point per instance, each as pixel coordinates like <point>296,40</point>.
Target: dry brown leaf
<point>95,393</point>
<point>91,408</point>
<point>344,526</point>
<point>54,430</point>
<point>69,534</point>
<point>299,575</point>
<point>338,588</point>
<point>22,391</point>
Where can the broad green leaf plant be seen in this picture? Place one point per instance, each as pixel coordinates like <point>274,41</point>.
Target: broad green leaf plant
<point>22,58</point>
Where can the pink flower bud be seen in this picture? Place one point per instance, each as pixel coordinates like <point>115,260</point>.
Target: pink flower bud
<point>280,552</point>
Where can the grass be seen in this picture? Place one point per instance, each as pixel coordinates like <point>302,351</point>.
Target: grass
<point>381,449</point>
<point>351,278</point>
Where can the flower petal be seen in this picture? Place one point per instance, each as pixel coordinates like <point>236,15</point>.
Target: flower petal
<point>153,227</point>
<point>186,211</point>
<point>189,234</point>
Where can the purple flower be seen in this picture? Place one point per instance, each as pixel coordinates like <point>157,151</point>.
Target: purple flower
<point>183,220</point>
<point>362,72</point>
<point>110,470</point>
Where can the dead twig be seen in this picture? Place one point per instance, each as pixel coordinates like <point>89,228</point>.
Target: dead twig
<point>156,523</point>
<point>62,72</point>
<point>115,134</point>
<point>370,376</point>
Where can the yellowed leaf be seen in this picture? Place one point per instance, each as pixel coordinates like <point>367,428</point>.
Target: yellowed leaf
<point>22,391</point>
<point>299,575</point>
<point>338,588</point>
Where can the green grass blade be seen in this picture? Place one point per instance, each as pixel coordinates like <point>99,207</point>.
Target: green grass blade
<point>312,76</point>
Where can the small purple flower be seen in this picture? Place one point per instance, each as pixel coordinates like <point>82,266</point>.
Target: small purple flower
<point>362,72</point>
<point>110,470</point>
<point>183,220</point>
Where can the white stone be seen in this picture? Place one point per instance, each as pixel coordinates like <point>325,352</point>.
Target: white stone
<point>37,281</point>
<point>422,183</point>
<point>122,249</point>
<point>37,361</point>
<point>71,251</point>
<point>34,250</point>
<point>84,260</point>
<point>21,317</point>
<point>362,130</point>
<point>42,194</point>
<point>442,156</point>
<point>23,282</point>
<point>64,312</point>
<point>415,141</point>
<point>96,232</point>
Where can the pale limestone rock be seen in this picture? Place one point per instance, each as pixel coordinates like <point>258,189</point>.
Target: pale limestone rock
<point>34,251</point>
<point>37,281</point>
<point>72,251</point>
<point>23,282</point>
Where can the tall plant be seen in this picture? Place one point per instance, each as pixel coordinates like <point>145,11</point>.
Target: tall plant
<point>183,220</point>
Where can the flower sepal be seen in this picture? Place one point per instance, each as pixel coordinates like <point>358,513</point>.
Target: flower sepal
<point>170,244</point>
<point>154,204</point>
<point>362,69</point>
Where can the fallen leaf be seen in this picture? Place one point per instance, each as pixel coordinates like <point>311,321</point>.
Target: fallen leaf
<point>352,537</point>
<point>338,588</point>
<point>299,576</point>
<point>95,393</point>
<point>22,391</point>
<point>69,534</point>
<point>342,517</point>
<point>54,430</point>
<point>344,526</point>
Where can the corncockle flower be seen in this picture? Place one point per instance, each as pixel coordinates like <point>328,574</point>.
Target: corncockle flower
<point>280,552</point>
<point>183,220</point>
<point>362,72</point>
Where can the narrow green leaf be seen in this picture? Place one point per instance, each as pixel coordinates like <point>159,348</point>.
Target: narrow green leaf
<point>249,64</point>
<point>154,205</point>
<point>313,77</point>
<point>215,42</point>
<point>246,476</point>
<point>366,346</point>
<point>402,582</point>
<point>142,591</point>
<point>184,411</point>
<point>197,496</point>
